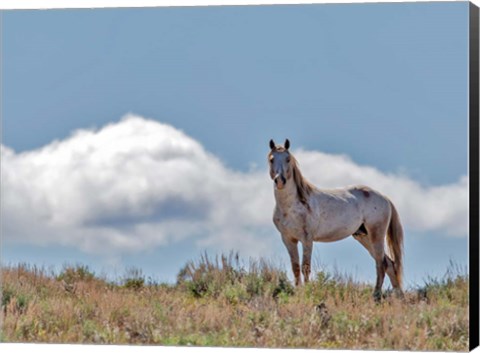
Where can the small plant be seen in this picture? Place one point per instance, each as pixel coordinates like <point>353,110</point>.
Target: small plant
<point>20,300</point>
<point>74,274</point>
<point>443,288</point>
<point>71,276</point>
<point>235,294</point>
<point>283,288</point>
<point>209,277</point>
<point>255,284</point>
<point>89,330</point>
<point>7,295</point>
<point>134,279</point>
<point>22,303</point>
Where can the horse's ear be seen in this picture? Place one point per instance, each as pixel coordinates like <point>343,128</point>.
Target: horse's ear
<point>272,144</point>
<point>287,144</point>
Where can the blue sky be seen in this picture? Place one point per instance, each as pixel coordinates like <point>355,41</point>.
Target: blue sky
<point>385,84</point>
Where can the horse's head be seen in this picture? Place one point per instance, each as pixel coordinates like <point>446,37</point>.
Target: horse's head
<point>279,161</point>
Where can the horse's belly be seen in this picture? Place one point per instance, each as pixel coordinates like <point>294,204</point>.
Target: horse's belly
<point>334,229</point>
<point>330,237</point>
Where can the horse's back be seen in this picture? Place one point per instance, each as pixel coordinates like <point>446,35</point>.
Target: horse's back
<point>372,204</point>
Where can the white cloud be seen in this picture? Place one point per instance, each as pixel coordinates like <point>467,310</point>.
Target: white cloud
<point>138,184</point>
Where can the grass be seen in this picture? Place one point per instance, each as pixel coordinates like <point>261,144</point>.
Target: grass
<point>222,302</point>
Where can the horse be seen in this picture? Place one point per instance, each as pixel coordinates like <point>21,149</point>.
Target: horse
<point>304,213</point>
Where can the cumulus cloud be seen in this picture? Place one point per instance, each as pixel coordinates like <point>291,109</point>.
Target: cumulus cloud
<point>139,184</point>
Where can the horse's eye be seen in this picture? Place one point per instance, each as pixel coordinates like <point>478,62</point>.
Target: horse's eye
<point>288,159</point>
<point>271,160</point>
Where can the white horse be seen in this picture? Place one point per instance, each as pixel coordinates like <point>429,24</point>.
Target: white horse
<point>306,214</point>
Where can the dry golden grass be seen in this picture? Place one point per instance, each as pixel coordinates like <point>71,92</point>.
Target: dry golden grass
<point>219,302</point>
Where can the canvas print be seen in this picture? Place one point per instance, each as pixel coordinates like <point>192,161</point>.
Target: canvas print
<point>237,176</point>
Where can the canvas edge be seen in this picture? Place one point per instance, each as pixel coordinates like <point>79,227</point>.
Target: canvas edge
<point>474,174</point>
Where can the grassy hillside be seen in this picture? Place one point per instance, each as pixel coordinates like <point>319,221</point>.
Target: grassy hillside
<point>220,302</point>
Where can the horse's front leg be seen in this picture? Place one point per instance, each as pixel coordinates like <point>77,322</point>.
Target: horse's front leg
<point>291,245</point>
<point>307,246</point>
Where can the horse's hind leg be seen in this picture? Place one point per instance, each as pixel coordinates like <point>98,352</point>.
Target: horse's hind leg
<point>363,239</point>
<point>377,239</point>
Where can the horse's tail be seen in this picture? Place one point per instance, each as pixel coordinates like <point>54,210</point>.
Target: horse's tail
<point>395,243</point>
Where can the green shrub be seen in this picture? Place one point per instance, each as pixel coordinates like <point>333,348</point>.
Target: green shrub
<point>283,288</point>
<point>445,288</point>
<point>209,277</point>
<point>75,274</point>
<point>7,295</point>
<point>22,302</point>
<point>21,299</point>
<point>235,293</point>
<point>133,279</point>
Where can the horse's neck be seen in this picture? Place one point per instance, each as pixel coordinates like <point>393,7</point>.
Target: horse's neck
<point>287,197</point>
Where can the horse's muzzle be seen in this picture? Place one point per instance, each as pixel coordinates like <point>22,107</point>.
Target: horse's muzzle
<point>280,181</point>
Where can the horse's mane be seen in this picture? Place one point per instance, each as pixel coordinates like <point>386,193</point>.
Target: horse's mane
<point>304,187</point>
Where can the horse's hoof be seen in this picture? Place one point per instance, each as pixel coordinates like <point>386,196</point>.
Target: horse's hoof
<point>377,296</point>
